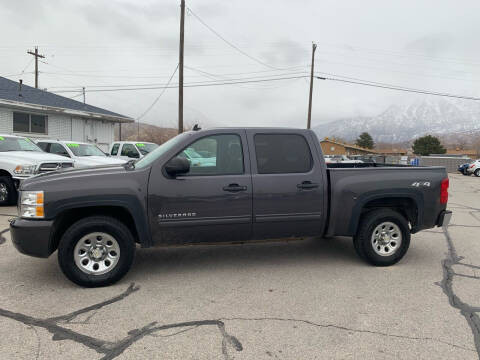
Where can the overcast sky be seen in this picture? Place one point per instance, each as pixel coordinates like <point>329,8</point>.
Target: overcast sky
<point>424,44</point>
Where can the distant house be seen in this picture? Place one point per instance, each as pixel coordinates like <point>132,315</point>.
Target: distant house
<point>393,152</point>
<point>38,114</point>
<point>464,152</point>
<point>333,147</point>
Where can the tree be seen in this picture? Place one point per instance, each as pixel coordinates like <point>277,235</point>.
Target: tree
<point>427,145</point>
<point>365,141</point>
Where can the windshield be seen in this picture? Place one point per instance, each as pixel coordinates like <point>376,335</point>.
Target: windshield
<point>146,148</point>
<point>17,144</point>
<point>85,150</point>
<point>159,151</point>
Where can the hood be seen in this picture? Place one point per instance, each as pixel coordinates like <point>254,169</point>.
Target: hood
<point>72,174</point>
<point>97,160</point>
<point>32,157</point>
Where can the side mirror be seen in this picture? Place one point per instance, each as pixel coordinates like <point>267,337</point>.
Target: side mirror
<point>176,166</point>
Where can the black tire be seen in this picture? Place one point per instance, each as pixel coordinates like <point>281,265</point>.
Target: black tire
<point>93,224</point>
<point>477,173</point>
<point>6,184</point>
<point>363,239</point>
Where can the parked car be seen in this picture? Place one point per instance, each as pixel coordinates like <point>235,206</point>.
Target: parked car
<point>131,150</point>
<point>21,159</point>
<point>474,168</point>
<point>84,154</point>
<point>463,169</point>
<point>343,159</point>
<point>266,184</point>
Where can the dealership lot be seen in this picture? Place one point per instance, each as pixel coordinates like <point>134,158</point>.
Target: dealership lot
<point>302,299</point>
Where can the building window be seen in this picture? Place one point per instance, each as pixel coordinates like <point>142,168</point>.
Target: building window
<point>29,123</point>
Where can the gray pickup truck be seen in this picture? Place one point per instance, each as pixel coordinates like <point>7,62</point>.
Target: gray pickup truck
<point>243,185</point>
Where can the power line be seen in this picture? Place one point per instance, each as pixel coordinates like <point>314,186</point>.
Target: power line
<point>221,77</point>
<point>228,42</point>
<point>159,96</point>
<point>398,88</point>
<point>189,85</point>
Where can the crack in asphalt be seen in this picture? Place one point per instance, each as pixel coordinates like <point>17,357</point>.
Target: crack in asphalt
<point>2,238</point>
<point>468,311</point>
<point>348,329</point>
<point>109,349</point>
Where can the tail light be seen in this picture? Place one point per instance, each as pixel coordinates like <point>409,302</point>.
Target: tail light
<point>471,166</point>
<point>444,191</point>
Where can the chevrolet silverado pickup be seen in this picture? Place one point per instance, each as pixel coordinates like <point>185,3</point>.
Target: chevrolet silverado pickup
<point>259,183</point>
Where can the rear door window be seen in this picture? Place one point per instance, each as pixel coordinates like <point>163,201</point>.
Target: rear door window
<point>282,154</point>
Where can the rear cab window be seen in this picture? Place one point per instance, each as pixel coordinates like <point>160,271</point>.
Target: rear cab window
<point>130,151</point>
<point>114,151</point>
<point>43,146</point>
<point>282,154</point>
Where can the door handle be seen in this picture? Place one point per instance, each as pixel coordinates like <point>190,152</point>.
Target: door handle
<point>234,188</point>
<point>307,185</point>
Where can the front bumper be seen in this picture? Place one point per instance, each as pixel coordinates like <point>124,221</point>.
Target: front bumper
<point>444,218</point>
<point>32,237</point>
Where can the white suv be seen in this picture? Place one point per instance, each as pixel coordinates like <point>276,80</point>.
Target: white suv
<point>474,168</point>
<point>21,159</point>
<point>131,149</point>
<point>84,154</point>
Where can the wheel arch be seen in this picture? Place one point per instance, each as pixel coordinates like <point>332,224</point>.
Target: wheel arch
<point>410,205</point>
<point>69,216</point>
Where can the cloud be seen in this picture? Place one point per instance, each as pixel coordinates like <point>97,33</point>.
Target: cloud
<point>286,53</point>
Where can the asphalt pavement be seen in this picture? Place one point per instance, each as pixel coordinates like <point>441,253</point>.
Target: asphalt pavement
<point>309,299</point>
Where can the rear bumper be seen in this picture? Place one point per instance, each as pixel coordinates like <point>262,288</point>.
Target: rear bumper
<point>444,218</point>
<point>32,237</point>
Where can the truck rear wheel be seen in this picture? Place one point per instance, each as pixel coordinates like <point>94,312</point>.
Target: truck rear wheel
<point>383,237</point>
<point>477,172</point>
<point>96,251</point>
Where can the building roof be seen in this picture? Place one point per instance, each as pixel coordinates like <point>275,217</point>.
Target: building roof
<point>471,152</point>
<point>10,94</point>
<point>348,146</point>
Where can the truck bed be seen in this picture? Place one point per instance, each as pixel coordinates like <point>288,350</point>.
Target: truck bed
<point>354,188</point>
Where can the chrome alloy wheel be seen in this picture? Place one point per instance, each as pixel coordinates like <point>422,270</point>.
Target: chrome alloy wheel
<point>96,253</point>
<point>386,239</point>
<point>3,192</point>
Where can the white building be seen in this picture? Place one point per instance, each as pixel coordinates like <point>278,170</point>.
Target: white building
<point>38,114</point>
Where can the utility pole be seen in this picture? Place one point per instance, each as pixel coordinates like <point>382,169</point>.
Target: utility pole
<point>83,92</point>
<point>309,121</point>
<point>37,55</point>
<point>180,67</point>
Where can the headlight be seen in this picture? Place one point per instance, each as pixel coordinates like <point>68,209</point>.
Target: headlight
<point>31,204</point>
<point>25,169</point>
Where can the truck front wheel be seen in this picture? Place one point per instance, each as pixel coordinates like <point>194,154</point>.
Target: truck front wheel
<point>8,193</point>
<point>383,237</point>
<point>96,251</point>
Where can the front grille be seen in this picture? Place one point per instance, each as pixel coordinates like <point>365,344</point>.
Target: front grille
<point>52,166</point>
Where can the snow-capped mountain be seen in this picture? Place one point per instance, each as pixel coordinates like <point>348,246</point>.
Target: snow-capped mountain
<point>402,123</point>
